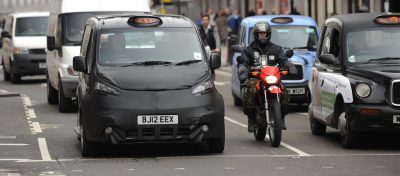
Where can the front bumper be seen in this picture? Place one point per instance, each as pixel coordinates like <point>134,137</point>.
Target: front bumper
<point>380,122</point>
<point>29,64</point>
<point>120,113</point>
<point>298,98</point>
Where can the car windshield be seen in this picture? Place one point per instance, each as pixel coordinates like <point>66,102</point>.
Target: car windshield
<point>372,44</point>
<point>295,37</point>
<point>31,26</point>
<point>149,46</point>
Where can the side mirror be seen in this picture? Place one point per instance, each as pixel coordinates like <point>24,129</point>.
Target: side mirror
<point>237,48</point>
<point>79,64</point>
<point>51,43</point>
<point>215,61</point>
<point>289,53</point>
<point>327,59</point>
<point>5,34</point>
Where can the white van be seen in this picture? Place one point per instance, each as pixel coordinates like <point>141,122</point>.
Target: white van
<point>23,45</point>
<point>66,22</point>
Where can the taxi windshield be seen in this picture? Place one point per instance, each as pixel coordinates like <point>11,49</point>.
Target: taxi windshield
<point>31,26</point>
<point>373,43</point>
<point>148,45</point>
<point>295,37</point>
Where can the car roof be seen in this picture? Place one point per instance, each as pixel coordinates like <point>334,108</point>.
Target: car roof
<point>30,14</point>
<point>120,20</point>
<point>358,20</point>
<point>297,20</point>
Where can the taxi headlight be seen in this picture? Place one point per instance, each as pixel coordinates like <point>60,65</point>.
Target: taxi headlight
<point>104,89</point>
<point>271,79</point>
<point>203,88</point>
<point>363,90</point>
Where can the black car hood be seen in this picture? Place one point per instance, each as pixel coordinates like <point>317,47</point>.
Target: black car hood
<point>376,71</point>
<point>154,77</point>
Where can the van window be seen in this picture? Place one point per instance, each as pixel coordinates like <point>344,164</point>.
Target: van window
<point>31,26</point>
<point>150,44</point>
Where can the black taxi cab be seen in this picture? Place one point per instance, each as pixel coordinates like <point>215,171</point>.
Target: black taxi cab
<point>355,85</point>
<point>146,78</point>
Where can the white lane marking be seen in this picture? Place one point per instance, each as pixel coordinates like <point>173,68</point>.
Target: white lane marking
<point>13,159</point>
<point>43,149</point>
<point>36,127</point>
<point>302,113</point>
<point>27,101</point>
<point>43,85</point>
<point>130,169</point>
<point>294,149</point>
<point>221,83</point>
<point>31,113</point>
<point>76,171</point>
<point>13,144</point>
<point>8,137</point>
<point>179,168</point>
<point>220,72</point>
<point>34,161</point>
<point>229,168</point>
<point>3,91</point>
<point>328,167</point>
<point>279,168</point>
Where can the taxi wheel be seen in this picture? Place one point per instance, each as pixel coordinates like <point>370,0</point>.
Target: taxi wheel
<point>216,145</point>
<point>317,128</point>
<point>87,147</point>
<point>348,137</point>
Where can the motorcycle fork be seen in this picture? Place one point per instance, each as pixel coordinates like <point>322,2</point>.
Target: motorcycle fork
<point>266,105</point>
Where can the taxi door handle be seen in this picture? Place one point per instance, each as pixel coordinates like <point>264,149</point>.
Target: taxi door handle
<point>322,82</point>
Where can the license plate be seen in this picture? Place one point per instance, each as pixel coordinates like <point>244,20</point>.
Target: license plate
<point>296,91</point>
<point>396,119</point>
<point>42,65</point>
<point>157,119</point>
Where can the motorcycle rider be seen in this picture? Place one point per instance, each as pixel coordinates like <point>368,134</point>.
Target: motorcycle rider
<point>260,47</point>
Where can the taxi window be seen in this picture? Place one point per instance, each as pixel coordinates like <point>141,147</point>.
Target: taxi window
<point>149,44</point>
<point>373,43</point>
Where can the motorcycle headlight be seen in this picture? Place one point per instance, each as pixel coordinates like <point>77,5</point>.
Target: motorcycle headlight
<point>363,90</point>
<point>203,88</point>
<point>271,79</point>
<point>20,51</point>
<point>104,89</point>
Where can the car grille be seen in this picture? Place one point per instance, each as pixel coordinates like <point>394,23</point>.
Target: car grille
<point>157,131</point>
<point>37,51</point>
<point>396,92</point>
<point>298,76</point>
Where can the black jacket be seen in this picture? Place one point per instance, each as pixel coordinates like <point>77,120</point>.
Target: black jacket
<point>208,38</point>
<point>274,53</point>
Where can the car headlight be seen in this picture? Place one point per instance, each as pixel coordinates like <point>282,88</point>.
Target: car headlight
<point>271,79</point>
<point>104,89</point>
<point>20,51</point>
<point>363,90</point>
<point>203,88</point>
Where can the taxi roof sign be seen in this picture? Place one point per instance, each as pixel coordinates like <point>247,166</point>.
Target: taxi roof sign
<point>144,21</point>
<point>282,20</point>
<point>387,19</point>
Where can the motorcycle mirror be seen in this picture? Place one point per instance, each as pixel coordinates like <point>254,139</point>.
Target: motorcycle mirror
<point>289,53</point>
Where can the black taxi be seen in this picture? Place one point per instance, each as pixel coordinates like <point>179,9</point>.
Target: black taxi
<point>355,85</point>
<point>147,78</point>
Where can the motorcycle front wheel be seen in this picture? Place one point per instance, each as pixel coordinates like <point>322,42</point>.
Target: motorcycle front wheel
<point>275,123</point>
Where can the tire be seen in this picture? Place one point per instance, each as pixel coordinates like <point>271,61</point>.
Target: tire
<point>6,74</point>
<point>275,129</point>
<point>260,134</point>
<point>237,101</point>
<point>348,138</point>
<point>217,145</point>
<point>64,103</point>
<point>317,128</point>
<point>87,148</point>
<point>14,77</point>
<point>52,94</point>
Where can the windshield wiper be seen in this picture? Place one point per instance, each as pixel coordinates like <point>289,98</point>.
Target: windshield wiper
<point>147,63</point>
<point>305,47</point>
<point>187,62</point>
<point>382,59</point>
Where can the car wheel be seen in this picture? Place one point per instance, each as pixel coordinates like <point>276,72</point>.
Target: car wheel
<point>87,148</point>
<point>317,128</point>
<point>348,137</point>
<point>52,94</point>
<point>64,103</point>
<point>217,145</point>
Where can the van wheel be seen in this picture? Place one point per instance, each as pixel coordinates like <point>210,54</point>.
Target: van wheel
<point>348,137</point>
<point>217,145</point>
<point>14,77</point>
<point>52,94</point>
<point>64,103</point>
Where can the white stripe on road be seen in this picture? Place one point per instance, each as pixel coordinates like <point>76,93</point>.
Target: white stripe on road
<point>294,149</point>
<point>27,101</point>
<point>36,127</point>
<point>43,149</point>
<point>221,83</point>
<point>14,144</point>
<point>31,113</point>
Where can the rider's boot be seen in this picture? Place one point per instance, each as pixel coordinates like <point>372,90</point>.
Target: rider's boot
<point>251,126</point>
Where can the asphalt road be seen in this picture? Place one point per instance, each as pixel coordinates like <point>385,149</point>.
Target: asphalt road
<point>35,139</point>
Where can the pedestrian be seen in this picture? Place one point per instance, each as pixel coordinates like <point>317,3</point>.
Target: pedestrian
<point>222,26</point>
<point>294,11</point>
<point>234,21</point>
<point>209,34</point>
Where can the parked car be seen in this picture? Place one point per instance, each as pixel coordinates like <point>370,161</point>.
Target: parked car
<point>355,85</point>
<point>64,38</point>
<point>299,33</point>
<point>23,45</point>
<point>135,87</point>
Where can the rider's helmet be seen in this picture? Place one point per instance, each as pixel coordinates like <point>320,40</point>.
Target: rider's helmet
<point>262,27</point>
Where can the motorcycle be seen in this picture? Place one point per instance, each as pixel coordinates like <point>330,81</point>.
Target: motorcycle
<point>269,90</point>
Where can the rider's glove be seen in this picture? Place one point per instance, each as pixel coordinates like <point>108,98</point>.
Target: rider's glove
<point>242,72</point>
